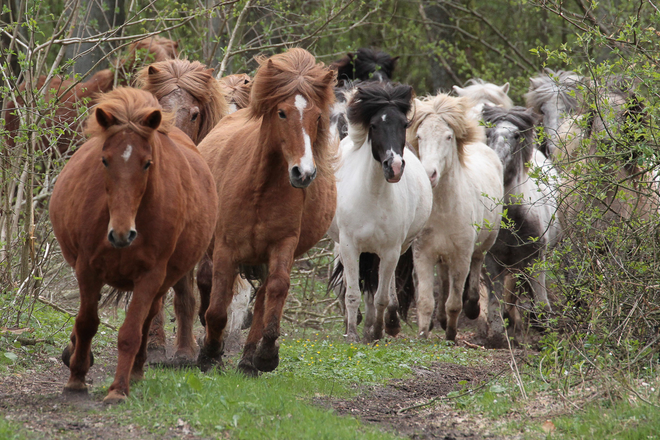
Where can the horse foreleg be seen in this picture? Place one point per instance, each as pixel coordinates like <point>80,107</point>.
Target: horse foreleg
<point>350,258</point>
<point>266,357</point>
<point>471,303</point>
<point>386,291</point>
<point>156,344</point>
<point>184,308</point>
<point>454,303</point>
<point>78,354</point>
<point>424,266</point>
<point>539,290</point>
<point>224,271</point>
<point>130,337</point>
<point>137,372</point>
<point>246,365</point>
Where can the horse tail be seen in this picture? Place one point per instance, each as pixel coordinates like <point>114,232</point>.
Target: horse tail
<point>405,283</point>
<point>369,264</point>
<point>337,278</point>
<point>115,297</point>
<point>257,273</point>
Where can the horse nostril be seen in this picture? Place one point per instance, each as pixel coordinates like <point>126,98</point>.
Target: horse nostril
<point>132,235</point>
<point>111,236</point>
<point>434,175</point>
<point>295,173</point>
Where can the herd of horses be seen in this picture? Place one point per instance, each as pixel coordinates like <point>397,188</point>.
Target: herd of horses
<point>240,176</point>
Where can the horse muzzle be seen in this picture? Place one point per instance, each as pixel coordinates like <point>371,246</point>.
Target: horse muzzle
<point>119,241</point>
<point>301,179</point>
<point>393,169</point>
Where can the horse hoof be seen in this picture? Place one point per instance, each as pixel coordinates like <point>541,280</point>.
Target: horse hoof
<point>266,357</point>
<point>206,363</point>
<point>471,309</point>
<point>450,334</point>
<point>183,359</point>
<point>66,356</point>
<point>74,389</point>
<point>352,338</point>
<point>114,397</point>
<point>443,324</point>
<point>247,368</point>
<point>156,355</point>
<point>137,376</point>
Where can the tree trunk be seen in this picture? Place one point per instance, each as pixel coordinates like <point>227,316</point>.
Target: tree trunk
<point>99,16</point>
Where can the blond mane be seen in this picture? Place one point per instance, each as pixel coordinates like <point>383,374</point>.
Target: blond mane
<point>454,112</point>
<point>129,107</point>
<point>164,77</point>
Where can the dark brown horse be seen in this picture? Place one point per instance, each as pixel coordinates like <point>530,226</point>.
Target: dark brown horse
<point>273,167</point>
<point>189,90</point>
<point>134,208</point>
<point>237,90</point>
<point>71,102</point>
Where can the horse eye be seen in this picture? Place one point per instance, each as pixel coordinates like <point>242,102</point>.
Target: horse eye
<point>105,162</point>
<point>282,114</point>
<point>194,117</point>
<point>372,126</point>
<point>147,165</point>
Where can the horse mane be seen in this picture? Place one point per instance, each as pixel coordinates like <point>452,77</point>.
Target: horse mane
<point>524,119</point>
<point>157,49</point>
<point>291,73</point>
<point>164,77</point>
<point>366,61</point>
<point>129,107</point>
<point>550,85</point>
<point>237,89</point>
<point>477,90</point>
<point>371,97</point>
<point>454,112</point>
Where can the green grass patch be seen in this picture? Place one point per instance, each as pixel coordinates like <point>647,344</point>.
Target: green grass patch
<point>622,420</point>
<point>10,430</point>
<point>287,403</point>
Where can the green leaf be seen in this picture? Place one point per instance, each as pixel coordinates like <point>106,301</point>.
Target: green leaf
<point>194,383</point>
<point>11,356</point>
<point>497,389</point>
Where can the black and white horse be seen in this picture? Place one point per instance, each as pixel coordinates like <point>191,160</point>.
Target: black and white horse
<point>365,65</point>
<point>380,208</point>
<point>530,206</point>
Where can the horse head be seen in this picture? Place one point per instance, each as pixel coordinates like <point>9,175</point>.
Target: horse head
<point>377,113</point>
<point>127,156</point>
<point>439,132</point>
<point>292,94</point>
<point>189,91</point>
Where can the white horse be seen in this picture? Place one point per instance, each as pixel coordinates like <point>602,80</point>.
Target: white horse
<point>530,204</point>
<point>466,177</point>
<point>481,94</point>
<point>380,208</point>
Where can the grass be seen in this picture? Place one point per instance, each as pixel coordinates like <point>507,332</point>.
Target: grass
<point>10,430</point>
<point>287,403</point>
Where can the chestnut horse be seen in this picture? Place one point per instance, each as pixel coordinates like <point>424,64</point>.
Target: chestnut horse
<point>134,208</point>
<point>72,101</point>
<point>237,90</point>
<point>189,90</point>
<point>274,171</point>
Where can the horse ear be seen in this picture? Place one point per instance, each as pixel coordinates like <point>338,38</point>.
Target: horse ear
<point>505,88</point>
<point>394,60</point>
<point>271,66</point>
<point>534,83</point>
<point>351,55</point>
<point>457,89</point>
<point>330,77</point>
<point>105,119</point>
<point>152,120</point>
<point>153,70</point>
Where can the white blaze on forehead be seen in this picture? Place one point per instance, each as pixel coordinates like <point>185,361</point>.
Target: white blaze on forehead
<point>384,117</point>
<point>301,104</point>
<point>127,153</point>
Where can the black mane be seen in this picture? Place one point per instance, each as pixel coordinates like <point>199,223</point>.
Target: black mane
<point>364,64</point>
<point>371,98</point>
